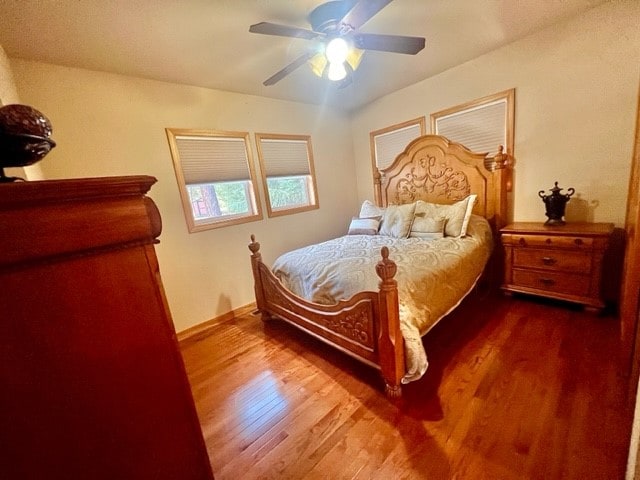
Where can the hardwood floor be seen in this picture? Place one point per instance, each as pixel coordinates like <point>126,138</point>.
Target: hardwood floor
<point>516,389</point>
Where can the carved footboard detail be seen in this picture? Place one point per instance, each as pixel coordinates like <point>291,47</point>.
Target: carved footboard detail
<point>350,325</point>
<point>358,326</point>
<point>351,321</point>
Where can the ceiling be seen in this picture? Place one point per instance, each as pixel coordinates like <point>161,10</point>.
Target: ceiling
<point>207,43</point>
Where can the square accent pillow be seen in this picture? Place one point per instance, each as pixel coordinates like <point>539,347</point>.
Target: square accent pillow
<point>427,227</point>
<point>397,220</point>
<point>457,215</point>
<point>364,226</point>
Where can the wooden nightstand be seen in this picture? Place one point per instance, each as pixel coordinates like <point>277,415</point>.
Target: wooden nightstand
<point>562,262</point>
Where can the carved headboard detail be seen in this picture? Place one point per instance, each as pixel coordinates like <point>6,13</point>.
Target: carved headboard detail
<point>437,170</point>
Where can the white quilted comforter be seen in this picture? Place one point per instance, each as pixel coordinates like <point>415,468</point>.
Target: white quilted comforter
<point>433,277</point>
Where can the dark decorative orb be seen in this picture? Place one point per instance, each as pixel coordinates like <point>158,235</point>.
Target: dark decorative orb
<point>20,119</point>
<point>24,136</point>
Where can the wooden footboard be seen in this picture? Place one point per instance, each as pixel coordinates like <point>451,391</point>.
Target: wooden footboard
<point>366,326</point>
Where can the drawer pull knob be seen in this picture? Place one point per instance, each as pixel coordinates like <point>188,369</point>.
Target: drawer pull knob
<point>578,241</point>
<point>547,281</point>
<point>548,240</point>
<point>522,241</point>
<point>549,260</point>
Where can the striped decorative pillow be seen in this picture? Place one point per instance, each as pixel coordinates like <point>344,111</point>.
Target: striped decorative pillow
<point>364,226</point>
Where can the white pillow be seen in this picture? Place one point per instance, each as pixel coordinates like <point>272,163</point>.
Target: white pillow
<point>457,215</point>
<point>427,227</point>
<point>369,209</point>
<point>397,220</point>
<point>364,226</point>
<point>471,201</point>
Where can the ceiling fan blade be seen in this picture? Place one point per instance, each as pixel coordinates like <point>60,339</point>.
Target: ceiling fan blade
<point>388,43</point>
<point>362,12</point>
<point>267,28</point>
<point>298,62</point>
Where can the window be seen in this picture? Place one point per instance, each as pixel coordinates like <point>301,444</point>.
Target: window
<point>386,144</point>
<point>215,176</point>
<point>480,125</point>
<point>286,163</point>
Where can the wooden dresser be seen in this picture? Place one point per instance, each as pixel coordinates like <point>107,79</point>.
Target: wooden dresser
<point>92,384</point>
<point>562,262</point>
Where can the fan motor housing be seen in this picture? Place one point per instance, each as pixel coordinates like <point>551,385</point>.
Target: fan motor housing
<point>326,18</point>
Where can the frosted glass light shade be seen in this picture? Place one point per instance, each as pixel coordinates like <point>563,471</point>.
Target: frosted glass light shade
<point>337,50</point>
<point>336,71</point>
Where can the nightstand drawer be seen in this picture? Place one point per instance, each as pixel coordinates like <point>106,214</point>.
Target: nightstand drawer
<point>565,283</point>
<point>550,241</point>
<point>556,260</point>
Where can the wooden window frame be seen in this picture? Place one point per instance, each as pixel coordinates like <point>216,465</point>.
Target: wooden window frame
<point>507,95</point>
<point>312,187</point>
<point>252,195</point>
<point>421,121</point>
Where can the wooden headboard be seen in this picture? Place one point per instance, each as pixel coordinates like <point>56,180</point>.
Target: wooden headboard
<point>437,170</point>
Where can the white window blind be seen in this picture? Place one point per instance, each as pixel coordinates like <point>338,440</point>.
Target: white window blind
<point>284,157</point>
<point>481,129</point>
<point>207,159</point>
<point>389,145</point>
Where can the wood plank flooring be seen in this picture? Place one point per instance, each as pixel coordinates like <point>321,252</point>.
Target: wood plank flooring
<point>516,389</point>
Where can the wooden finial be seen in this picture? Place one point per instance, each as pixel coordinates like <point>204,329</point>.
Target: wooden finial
<point>254,246</point>
<point>500,161</point>
<point>386,268</point>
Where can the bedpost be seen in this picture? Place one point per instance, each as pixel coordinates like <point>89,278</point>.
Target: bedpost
<point>503,170</point>
<point>377,187</point>
<point>390,342</point>
<point>256,260</point>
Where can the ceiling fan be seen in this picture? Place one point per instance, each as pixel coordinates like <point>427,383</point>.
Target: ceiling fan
<point>340,45</point>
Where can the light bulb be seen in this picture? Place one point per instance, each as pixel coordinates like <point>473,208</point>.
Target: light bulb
<point>336,71</point>
<point>337,50</point>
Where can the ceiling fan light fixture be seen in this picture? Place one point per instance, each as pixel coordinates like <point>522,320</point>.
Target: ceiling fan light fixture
<point>337,71</point>
<point>338,22</point>
<point>320,65</point>
<point>337,50</point>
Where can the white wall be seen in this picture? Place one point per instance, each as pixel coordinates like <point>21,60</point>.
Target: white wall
<point>108,124</point>
<point>576,85</point>
<point>8,92</point>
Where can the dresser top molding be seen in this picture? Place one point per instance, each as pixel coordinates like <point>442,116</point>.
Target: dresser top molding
<point>50,220</point>
<point>56,191</point>
<point>583,229</point>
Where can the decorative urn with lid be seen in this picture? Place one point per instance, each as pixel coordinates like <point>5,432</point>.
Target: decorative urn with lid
<point>555,204</point>
<point>24,137</point>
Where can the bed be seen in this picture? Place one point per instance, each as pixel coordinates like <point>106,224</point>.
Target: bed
<point>373,296</point>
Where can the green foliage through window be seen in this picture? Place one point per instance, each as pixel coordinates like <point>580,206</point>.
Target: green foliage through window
<point>213,200</point>
<point>287,192</point>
